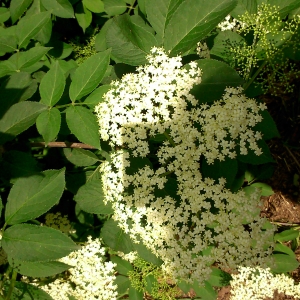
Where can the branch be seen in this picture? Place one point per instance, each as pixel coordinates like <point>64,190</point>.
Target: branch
<point>61,145</point>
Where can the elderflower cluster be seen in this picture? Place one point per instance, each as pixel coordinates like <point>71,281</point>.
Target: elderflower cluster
<point>270,36</point>
<point>203,50</point>
<point>227,124</point>
<point>140,102</point>
<point>259,283</point>
<point>229,23</point>
<point>179,217</point>
<point>59,222</point>
<point>90,277</point>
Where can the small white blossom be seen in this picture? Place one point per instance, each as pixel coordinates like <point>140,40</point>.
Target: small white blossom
<point>91,277</point>
<point>203,50</point>
<point>229,23</point>
<point>157,100</point>
<point>258,283</point>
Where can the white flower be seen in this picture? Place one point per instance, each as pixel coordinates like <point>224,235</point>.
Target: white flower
<point>258,283</point>
<point>91,275</point>
<point>157,100</point>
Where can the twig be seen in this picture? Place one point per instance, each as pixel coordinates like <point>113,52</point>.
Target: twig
<point>292,155</point>
<point>61,145</point>
<point>284,224</point>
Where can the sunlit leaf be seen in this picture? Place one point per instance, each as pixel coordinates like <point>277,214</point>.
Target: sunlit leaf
<point>33,196</point>
<point>89,75</point>
<point>52,85</point>
<point>38,243</point>
<point>95,6</point>
<point>17,8</point>
<point>114,237</point>
<point>185,29</point>
<point>83,124</point>
<point>48,124</point>
<point>29,26</point>
<point>60,8</point>
<point>83,16</point>
<point>18,118</point>
<point>90,198</point>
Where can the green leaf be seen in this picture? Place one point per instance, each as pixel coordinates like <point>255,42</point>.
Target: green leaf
<point>8,43</point>
<point>150,283</point>
<point>130,39</point>
<point>146,254</point>
<point>80,157</point>
<point>89,74</point>
<point>26,291</point>
<point>114,237</point>
<point>100,39</point>
<point>38,243</point>
<point>83,124</point>
<point>123,266</point>
<point>68,67</point>
<point>26,59</point>
<point>48,124</point>
<point>60,8</point>
<point>17,8</point>
<point>135,294</point>
<point>207,292</point>
<point>4,14</point>
<point>44,35</point>
<point>184,286</point>
<point>7,68</point>
<point>244,6</point>
<point>267,126</point>
<point>137,163</point>
<point>142,6</point>
<point>90,198</point>
<point>185,30</point>
<point>219,278</point>
<point>18,164</point>
<point>285,6</point>
<point>95,6</point>
<point>266,190</point>
<point>286,235</point>
<point>60,49</point>
<point>259,172</point>
<point>122,283</point>
<point>38,269</point>
<point>32,196</point>
<point>75,180</point>
<point>226,169</point>
<point>83,16</point>
<point>223,40</point>
<point>96,96</point>
<point>284,263</point>
<point>216,76</point>
<point>18,118</point>
<point>284,249</point>
<point>84,217</point>
<point>114,7</point>
<point>52,85</point>
<point>29,26</point>
<point>13,90</point>
<point>252,158</point>
<point>159,13</point>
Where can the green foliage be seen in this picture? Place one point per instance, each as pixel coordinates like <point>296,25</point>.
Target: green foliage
<point>58,59</point>
<point>38,243</point>
<point>146,277</point>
